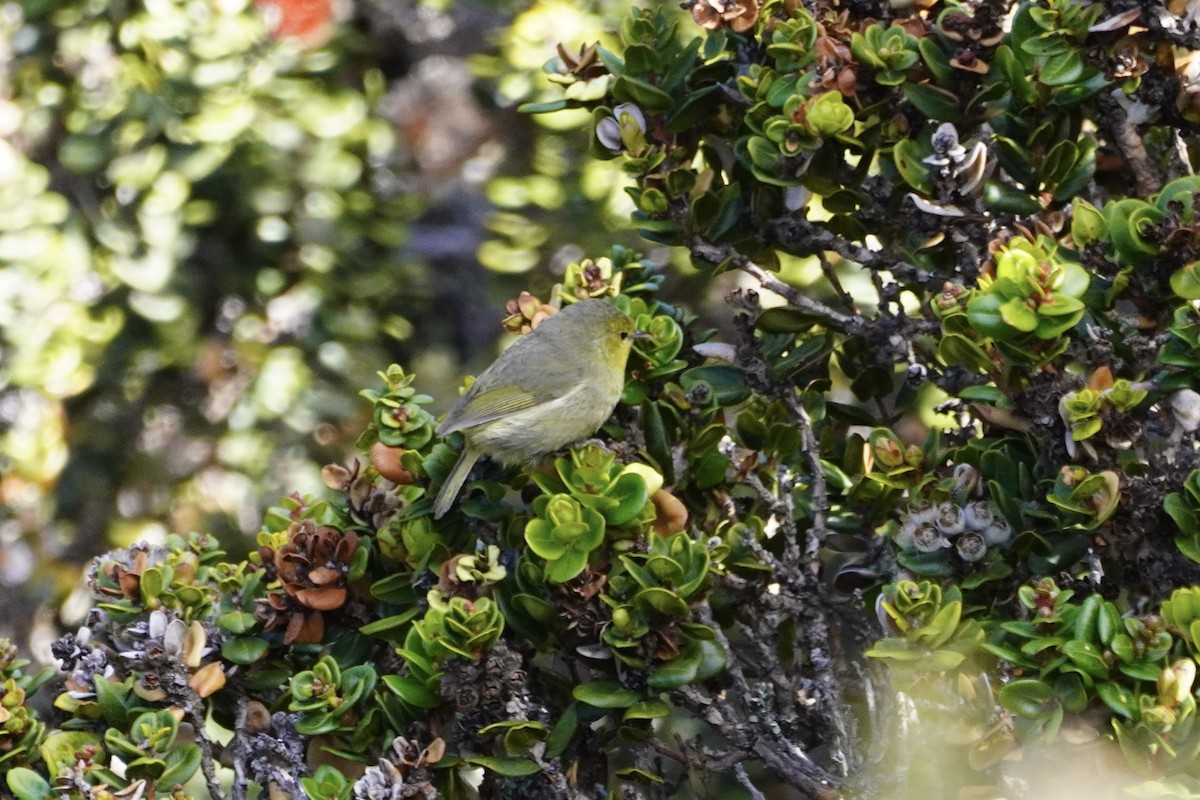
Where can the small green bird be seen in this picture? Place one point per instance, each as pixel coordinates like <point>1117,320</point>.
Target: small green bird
<point>555,385</point>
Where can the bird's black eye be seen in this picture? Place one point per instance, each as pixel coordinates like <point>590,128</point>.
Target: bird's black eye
<point>624,334</point>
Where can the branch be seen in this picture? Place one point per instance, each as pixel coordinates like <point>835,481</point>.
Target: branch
<point>718,253</point>
<point>745,728</point>
<point>207,762</point>
<point>800,236</point>
<point>1129,142</point>
<point>751,541</point>
<point>820,492</point>
<point>240,749</point>
<point>739,772</point>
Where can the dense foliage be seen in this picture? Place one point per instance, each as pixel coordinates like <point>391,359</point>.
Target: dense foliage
<point>950,427</point>
<point>216,217</point>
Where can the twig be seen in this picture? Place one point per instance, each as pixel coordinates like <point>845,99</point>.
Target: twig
<point>783,511</point>
<point>800,236</point>
<point>207,762</point>
<point>553,774</point>
<point>739,772</point>
<point>820,494</point>
<point>785,481</point>
<point>794,297</point>
<point>836,282</point>
<point>767,558</point>
<point>1127,140</point>
<point>744,728</point>
<point>240,750</point>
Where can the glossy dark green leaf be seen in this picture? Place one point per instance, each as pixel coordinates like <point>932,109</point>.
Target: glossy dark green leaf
<point>653,708</point>
<point>661,601</point>
<point>244,649</point>
<point>657,444</point>
<point>908,156</point>
<point>182,763</point>
<point>700,105</point>
<point>563,731</point>
<point>1062,68</point>
<point>1005,197</point>
<point>1081,172</point>
<point>1027,697</point>
<point>412,691</point>
<point>508,767</point>
<point>728,383</point>
<point>935,103</point>
<point>649,98</point>
<point>1117,698</point>
<point>1014,73</point>
<point>934,58</point>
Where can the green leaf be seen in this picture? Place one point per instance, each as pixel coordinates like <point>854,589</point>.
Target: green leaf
<point>698,106</point>
<point>1080,173</point>
<point>508,767</point>
<point>1014,73</point>
<point>941,661</point>
<point>1086,619</point>
<point>182,763</point>
<point>112,698</point>
<point>1027,697</point>
<point>1127,220</point>
<point>729,211</point>
<point>1185,281</point>
<point>566,566</point>
<point>728,383</point>
<point>932,101</point>
<point>958,350</point>
<point>1017,314</point>
<point>244,650</point>
<point>1062,68</point>
<point>544,107</point>
<point>412,691</point>
<point>984,314</point>
<point>394,624</point>
<point>1002,196</point>
<point>1087,223</point>
<point>908,156</point>
<point>59,749</point>
<point>1117,698</point>
<point>604,694</point>
<point>653,708</point>
<point>662,601</point>
<point>563,731</point>
<point>680,671</point>
<point>649,98</point>
<point>26,784</point>
<point>237,621</point>
<point>936,60</point>
<point>1087,657</point>
<point>896,649</point>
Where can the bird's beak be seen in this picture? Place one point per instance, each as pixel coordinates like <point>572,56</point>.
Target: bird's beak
<point>641,335</point>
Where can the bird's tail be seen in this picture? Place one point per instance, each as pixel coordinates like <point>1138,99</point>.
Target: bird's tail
<point>454,481</point>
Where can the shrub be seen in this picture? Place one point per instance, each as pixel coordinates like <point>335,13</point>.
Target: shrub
<point>958,382</point>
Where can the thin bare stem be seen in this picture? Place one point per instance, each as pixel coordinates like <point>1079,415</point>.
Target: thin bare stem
<point>207,762</point>
<point>739,772</point>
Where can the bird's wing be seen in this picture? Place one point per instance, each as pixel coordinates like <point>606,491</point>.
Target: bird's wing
<point>476,408</point>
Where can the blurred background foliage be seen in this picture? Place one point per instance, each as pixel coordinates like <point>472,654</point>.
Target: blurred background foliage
<point>219,218</point>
